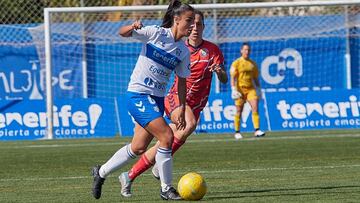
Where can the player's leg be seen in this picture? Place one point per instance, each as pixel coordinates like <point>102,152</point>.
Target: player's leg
<point>163,158</point>
<point>191,121</point>
<point>239,104</point>
<point>148,111</point>
<point>120,158</point>
<point>254,103</point>
<point>145,110</point>
<point>138,147</point>
<point>180,136</point>
<point>148,158</point>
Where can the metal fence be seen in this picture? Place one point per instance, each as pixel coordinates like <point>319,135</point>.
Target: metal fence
<point>31,11</point>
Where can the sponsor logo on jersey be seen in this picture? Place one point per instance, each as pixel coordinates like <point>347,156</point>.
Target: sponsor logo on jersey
<point>204,52</point>
<point>159,71</point>
<point>162,57</point>
<point>154,84</point>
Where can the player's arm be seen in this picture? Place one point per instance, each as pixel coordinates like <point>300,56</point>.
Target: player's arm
<point>126,31</point>
<point>220,72</point>
<point>182,100</point>
<point>257,82</point>
<point>233,76</point>
<point>235,94</point>
<point>219,65</point>
<point>256,77</point>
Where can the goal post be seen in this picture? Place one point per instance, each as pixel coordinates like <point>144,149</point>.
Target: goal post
<point>77,35</point>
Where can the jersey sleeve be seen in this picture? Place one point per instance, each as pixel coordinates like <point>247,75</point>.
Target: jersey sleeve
<point>218,57</point>
<point>183,68</point>
<point>145,33</point>
<point>233,68</point>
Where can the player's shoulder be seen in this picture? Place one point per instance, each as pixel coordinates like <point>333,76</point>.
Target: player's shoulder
<point>237,60</point>
<point>158,30</point>
<point>252,61</point>
<point>210,45</point>
<point>181,49</point>
<point>151,27</point>
<point>181,44</point>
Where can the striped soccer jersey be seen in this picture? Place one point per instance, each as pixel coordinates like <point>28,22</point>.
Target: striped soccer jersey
<point>199,82</point>
<point>160,55</point>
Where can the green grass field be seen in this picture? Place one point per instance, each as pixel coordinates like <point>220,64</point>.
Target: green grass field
<point>311,166</point>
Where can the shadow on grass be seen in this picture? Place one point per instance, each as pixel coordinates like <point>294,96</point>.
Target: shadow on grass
<point>281,192</point>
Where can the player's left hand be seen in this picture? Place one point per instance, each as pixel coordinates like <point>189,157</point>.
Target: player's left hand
<point>215,68</point>
<point>181,122</point>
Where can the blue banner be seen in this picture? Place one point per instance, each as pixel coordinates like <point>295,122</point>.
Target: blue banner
<point>77,118</point>
<point>217,116</point>
<point>314,110</point>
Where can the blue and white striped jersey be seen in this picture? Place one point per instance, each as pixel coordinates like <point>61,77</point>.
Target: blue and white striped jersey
<point>160,55</point>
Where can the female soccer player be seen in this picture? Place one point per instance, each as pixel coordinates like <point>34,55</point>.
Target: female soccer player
<point>165,51</point>
<point>244,74</point>
<point>206,58</point>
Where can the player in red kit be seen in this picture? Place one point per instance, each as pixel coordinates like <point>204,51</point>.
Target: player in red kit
<point>205,58</point>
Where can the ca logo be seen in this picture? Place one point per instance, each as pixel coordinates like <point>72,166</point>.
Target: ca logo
<point>287,59</point>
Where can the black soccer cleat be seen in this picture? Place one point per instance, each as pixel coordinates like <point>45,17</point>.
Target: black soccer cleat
<point>170,194</point>
<point>98,182</point>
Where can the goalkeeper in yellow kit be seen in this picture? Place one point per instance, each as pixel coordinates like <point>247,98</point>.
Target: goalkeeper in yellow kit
<point>245,86</point>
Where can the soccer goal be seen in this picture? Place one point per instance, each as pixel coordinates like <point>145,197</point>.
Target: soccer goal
<point>298,46</point>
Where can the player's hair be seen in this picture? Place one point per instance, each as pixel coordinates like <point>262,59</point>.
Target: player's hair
<point>201,14</point>
<point>245,44</point>
<point>176,8</point>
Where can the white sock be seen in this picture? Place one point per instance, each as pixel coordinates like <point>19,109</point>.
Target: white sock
<point>119,159</point>
<point>163,160</point>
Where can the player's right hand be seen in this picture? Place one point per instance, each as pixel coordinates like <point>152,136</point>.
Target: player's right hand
<point>137,25</point>
<point>235,94</point>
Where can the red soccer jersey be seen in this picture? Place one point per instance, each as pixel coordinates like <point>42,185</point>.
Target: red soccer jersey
<point>199,82</point>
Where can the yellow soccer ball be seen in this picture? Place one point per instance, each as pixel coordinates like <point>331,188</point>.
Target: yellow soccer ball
<point>192,186</point>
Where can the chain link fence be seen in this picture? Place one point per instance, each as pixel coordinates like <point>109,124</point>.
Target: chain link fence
<point>31,11</point>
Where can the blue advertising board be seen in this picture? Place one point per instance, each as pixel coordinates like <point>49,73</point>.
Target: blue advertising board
<point>216,117</point>
<point>75,118</point>
<point>314,110</point>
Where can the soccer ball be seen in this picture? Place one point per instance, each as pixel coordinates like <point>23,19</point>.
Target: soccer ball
<point>192,186</point>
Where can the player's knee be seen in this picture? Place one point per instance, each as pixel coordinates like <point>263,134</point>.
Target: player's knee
<point>190,126</point>
<point>166,138</point>
<point>138,150</point>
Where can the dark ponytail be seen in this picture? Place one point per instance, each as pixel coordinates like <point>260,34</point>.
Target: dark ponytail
<point>176,8</point>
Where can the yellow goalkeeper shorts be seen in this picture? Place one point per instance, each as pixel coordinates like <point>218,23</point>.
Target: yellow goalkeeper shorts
<point>248,94</point>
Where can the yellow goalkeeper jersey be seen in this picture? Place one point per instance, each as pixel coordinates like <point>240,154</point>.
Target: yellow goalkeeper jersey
<point>245,70</point>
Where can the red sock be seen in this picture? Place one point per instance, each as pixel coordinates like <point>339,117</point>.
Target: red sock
<point>139,167</point>
<point>176,145</point>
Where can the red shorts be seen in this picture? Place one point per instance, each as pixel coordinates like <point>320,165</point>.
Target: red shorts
<point>171,102</point>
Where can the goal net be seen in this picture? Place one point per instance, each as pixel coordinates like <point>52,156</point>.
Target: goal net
<point>297,47</point>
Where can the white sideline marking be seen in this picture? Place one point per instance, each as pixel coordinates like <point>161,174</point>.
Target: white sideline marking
<point>207,140</point>
<point>203,172</point>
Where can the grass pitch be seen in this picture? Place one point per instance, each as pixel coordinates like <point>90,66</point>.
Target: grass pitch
<point>308,166</point>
